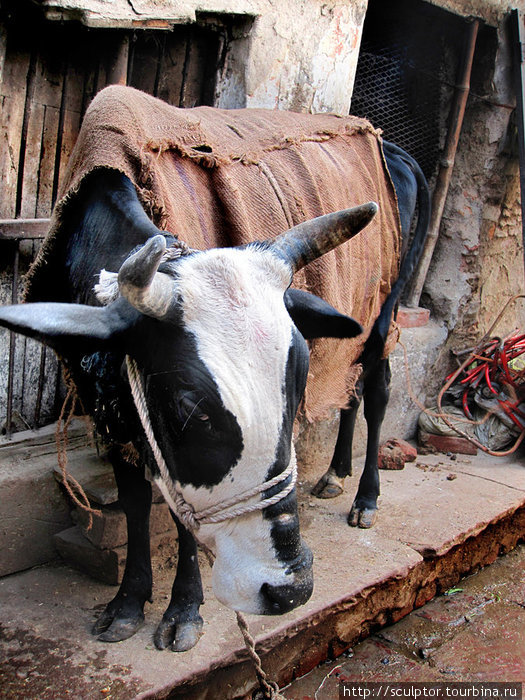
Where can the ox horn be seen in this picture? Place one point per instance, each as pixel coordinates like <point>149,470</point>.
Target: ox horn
<point>311,239</point>
<point>149,291</point>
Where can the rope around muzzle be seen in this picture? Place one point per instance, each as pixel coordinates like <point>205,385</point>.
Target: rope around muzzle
<point>231,508</point>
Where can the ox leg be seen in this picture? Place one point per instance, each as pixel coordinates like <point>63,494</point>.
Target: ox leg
<point>376,393</point>
<point>181,624</point>
<point>331,484</point>
<point>125,613</point>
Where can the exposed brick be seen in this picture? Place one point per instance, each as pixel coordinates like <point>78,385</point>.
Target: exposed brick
<point>412,317</point>
<point>448,443</point>
<point>394,453</point>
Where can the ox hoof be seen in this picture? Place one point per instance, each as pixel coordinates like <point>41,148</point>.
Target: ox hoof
<point>362,517</point>
<point>118,629</point>
<point>329,485</point>
<point>180,636</point>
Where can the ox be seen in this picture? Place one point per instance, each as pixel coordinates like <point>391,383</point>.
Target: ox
<point>224,368</point>
<point>219,341</point>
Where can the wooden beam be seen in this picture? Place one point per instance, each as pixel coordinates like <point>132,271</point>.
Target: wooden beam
<point>14,229</point>
<point>118,68</point>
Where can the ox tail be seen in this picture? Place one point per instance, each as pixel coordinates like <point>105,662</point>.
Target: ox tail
<point>411,258</point>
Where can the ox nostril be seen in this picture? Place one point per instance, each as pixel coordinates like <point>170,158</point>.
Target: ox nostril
<point>279,599</point>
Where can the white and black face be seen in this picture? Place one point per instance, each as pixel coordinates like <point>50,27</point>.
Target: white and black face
<point>223,385</point>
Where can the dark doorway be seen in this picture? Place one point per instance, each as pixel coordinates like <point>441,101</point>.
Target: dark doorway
<point>406,72</point>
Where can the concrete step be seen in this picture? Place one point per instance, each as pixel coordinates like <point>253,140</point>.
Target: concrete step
<point>439,520</point>
<point>473,633</point>
<point>107,565</point>
<point>33,507</point>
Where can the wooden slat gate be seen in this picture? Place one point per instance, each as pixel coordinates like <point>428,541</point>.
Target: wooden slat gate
<point>49,73</point>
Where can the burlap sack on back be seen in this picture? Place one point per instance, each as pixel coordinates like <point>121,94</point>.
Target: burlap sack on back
<point>227,177</point>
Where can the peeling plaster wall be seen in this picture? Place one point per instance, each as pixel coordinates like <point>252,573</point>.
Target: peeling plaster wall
<point>490,11</point>
<point>304,55</point>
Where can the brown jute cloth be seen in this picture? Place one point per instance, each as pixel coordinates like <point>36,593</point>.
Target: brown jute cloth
<point>227,177</point>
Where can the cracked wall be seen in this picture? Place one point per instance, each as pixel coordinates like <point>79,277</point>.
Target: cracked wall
<point>478,261</point>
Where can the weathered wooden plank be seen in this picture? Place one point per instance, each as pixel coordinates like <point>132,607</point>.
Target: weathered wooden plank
<point>14,229</point>
<point>13,94</point>
<point>118,64</point>
<point>103,44</point>
<point>70,129</point>
<point>199,69</point>
<point>45,85</point>
<point>90,77</point>
<point>144,62</point>
<point>47,162</point>
<point>72,104</point>
<point>33,149</point>
<point>171,68</point>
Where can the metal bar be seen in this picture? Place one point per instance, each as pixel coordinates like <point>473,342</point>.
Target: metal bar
<point>518,41</point>
<point>12,347</point>
<point>447,164</point>
<point>13,229</point>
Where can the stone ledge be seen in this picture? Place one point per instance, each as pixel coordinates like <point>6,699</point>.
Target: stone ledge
<point>431,530</point>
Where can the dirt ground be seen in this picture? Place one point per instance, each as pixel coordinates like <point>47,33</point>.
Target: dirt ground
<point>474,632</point>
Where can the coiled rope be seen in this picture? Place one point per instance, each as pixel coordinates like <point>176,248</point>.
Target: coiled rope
<point>473,355</point>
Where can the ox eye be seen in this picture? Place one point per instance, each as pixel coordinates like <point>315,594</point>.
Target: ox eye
<point>191,410</point>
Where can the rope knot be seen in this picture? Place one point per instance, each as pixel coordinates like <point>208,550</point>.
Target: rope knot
<point>186,513</point>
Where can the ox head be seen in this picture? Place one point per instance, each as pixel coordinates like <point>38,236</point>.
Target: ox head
<point>224,365</point>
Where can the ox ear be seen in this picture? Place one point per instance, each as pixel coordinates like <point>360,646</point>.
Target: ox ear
<point>315,318</point>
<point>67,327</point>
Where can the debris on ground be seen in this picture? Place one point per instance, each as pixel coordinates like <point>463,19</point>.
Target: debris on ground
<point>394,453</point>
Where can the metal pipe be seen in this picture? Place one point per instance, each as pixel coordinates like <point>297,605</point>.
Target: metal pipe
<point>447,163</point>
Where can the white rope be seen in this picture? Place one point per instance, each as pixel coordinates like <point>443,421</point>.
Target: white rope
<point>214,514</point>
<point>233,507</point>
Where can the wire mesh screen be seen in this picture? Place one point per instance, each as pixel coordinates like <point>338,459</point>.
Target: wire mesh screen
<point>408,61</point>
